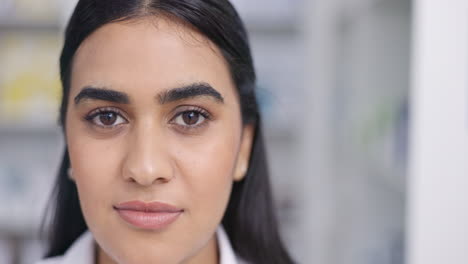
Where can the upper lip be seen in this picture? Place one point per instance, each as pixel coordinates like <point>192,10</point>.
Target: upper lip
<point>147,207</point>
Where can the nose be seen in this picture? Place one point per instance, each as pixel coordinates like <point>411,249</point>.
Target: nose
<point>147,160</point>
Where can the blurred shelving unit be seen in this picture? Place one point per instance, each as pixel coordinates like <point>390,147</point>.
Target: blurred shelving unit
<point>30,141</point>
<point>359,59</point>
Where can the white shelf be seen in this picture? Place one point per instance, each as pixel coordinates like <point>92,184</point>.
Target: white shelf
<point>281,28</point>
<point>12,24</point>
<point>15,130</point>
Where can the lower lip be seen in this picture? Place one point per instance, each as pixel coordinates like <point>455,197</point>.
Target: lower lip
<point>149,220</point>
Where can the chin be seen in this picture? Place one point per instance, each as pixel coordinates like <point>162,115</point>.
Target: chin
<point>151,257</point>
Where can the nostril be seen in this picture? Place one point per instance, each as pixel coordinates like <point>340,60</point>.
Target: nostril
<point>162,180</point>
<point>131,179</point>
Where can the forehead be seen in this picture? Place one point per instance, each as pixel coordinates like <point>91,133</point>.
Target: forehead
<point>147,56</point>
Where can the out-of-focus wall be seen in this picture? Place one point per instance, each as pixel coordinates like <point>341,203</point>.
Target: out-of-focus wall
<point>438,197</point>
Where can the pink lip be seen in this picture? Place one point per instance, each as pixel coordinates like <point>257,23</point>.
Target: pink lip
<point>153,215</point>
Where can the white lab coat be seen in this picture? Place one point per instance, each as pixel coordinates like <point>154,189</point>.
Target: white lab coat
<point>82,251</point>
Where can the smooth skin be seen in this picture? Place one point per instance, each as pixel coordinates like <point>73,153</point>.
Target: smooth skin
<point>149,150</point>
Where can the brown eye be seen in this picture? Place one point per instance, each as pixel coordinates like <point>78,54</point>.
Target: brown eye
<point>107,119</point>
<point>189,118</point>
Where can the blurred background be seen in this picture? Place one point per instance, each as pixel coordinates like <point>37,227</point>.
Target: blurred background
<point>337,82</point>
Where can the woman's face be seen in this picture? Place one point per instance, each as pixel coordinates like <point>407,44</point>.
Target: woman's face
<point>154,117</point>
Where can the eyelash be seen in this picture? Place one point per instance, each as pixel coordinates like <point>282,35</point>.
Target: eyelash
<point>198,110</point>
<point>106,110</point>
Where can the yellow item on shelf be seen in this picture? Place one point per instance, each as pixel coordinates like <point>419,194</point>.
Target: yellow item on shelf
<point>29,81</point>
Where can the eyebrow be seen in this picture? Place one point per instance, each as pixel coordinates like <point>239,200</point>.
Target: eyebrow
<point>189,91</point>
<point>103,94</point>
<point>172,95</point>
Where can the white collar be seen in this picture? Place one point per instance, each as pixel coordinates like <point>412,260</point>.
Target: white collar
<point>82,251</point>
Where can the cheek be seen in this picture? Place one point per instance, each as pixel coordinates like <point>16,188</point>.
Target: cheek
<point>207,168</point>
<point>95,171</point>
